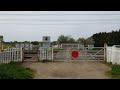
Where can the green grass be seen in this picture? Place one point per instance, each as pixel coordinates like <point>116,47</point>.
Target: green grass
<point>15,71</point>
<point>114,73</point>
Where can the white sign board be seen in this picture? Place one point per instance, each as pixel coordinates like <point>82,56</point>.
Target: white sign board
<point>46,38</point>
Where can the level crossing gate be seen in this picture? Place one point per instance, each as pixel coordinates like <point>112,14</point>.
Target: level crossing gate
<point>71,54</point>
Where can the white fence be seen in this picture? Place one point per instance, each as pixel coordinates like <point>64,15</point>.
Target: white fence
<point>11,54</point>
<point>70,45</point>
<point>45,54</point>
<point>113,54</point>
<point>26,46</point>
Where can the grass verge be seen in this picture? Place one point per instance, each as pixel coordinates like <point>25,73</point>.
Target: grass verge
<point>114,73</point>
<point>15,71</point>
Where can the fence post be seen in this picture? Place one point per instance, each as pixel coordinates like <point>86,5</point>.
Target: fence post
<point>38,54</point>
<point>107,53</point>
<point>10,55</point>
<point>52,54</point>
<point>69,54</point>
<point>105,46</point>
<point>78,46</point>
<point>21,53</point>
<point>61,46</point>
<point>113,54</point>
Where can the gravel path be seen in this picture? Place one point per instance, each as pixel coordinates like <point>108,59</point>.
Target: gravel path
<point>69,70</point>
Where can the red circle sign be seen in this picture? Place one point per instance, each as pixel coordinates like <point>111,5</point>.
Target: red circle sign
<point>75,54</point>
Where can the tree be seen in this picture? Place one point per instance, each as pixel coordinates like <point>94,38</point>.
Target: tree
<point>85,42</point>
<point>82,41</point>
<point>26,42</point>
<point>54,43</point>
<point>65,39</point>
<point>35,43</point>
<point>111,38</point>
<point>71,40</point>
<point>89,41</point>
<point>15,41</point>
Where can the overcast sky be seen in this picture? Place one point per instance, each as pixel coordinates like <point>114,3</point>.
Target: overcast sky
<point>32,25</point>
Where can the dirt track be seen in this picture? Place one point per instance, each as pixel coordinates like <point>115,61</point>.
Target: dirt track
<point>69,70</point>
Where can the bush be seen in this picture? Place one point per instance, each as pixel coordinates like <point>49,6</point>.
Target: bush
<point>15,71</point>
<point>115,71</point>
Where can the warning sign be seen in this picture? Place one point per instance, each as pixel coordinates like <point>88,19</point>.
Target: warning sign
<point>75,54</point>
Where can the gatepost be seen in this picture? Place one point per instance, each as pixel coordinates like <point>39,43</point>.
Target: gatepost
<point>105,51</point>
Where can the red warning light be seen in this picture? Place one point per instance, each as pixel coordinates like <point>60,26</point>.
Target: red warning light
<point>75,54</point>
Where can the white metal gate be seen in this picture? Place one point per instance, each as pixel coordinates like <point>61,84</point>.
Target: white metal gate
<point>96,53</point>
<point>86,53</point>
<point>45,54</point>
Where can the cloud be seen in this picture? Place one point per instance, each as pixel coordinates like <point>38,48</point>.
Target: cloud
<point>34,31</point>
